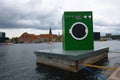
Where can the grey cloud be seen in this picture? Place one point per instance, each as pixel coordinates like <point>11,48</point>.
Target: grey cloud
<point>41,14</point>
<point>16,17</point>
<point>105,23</point>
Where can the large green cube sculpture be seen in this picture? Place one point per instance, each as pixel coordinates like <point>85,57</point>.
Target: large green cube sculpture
<point>77,30</point>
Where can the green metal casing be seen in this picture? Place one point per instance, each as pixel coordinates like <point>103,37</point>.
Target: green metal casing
<point>70,18</point>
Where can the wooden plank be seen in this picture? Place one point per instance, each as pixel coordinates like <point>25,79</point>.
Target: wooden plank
<point>115,75</point>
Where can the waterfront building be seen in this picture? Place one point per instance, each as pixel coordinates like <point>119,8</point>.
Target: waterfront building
<point>3,38</point>
<point>28,38</point>
<point>49,37</point>
<point>32,38</point>
<point>96,35</point>
<point>109,36</point>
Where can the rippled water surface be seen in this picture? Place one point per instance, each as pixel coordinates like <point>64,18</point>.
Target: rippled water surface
<point>18,62</point>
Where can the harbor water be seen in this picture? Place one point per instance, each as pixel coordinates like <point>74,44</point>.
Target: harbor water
<point>18,62</point>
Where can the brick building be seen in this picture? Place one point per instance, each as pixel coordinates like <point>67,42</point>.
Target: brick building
<point>31,38</point>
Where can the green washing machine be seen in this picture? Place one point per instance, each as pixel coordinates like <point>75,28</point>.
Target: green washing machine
<point>77,29</point>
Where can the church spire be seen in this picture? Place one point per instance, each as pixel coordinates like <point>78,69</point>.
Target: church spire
<point>50,31</point>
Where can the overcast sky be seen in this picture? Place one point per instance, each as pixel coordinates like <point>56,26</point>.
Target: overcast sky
<point>37,16</point>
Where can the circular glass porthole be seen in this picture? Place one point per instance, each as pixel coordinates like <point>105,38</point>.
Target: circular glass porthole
<point>79,31</point>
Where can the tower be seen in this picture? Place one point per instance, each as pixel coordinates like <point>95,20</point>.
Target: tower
<point>50,31</point>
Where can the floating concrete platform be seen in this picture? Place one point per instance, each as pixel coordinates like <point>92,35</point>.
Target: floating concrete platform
<point>70,60</point>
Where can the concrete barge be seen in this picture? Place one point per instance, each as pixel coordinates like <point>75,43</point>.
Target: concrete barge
<point>70,60</point>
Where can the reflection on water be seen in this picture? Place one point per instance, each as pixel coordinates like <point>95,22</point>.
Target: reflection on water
<point>18,62</point>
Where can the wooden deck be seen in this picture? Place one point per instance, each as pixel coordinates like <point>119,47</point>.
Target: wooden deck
<point>115,75</point>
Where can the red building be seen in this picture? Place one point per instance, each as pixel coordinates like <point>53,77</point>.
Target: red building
<point>28,38</point>
<point>31,38</point>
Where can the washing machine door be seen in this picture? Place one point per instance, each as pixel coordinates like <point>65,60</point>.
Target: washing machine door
<point>79,31</point>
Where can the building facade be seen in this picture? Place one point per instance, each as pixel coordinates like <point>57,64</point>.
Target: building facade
<point>3,37</point>
<point>31,38</point>
<point>97,36</point>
